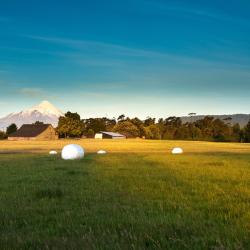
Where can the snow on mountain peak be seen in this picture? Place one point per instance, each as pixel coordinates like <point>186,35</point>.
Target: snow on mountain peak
<point>43,112</point>
<point>45,107</point>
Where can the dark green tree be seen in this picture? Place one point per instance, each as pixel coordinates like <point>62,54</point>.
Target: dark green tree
<point>121,117</point>
<point>220,130</point>
<point>127,128</point>
<point>70,125</point>
<point>206,127</point>
<point>161,127</point>
<point>194,132</point>
<point>99,124</point>
<point>171,124</point>
<point>3,135</point>
<point>38,123</point>
<point>139,124</point>
<point>149,121</point>
<point>247,132</point>
<point>152,132</point>
<point>90,133</point>
<point>236,133</point>
<point>11,129</point>
<point>182,133</point>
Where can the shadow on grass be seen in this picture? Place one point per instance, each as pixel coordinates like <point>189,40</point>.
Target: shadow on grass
<point>216,153</point>
<point>22,151</point>
<point>49,193</point>
<point>215,164</point>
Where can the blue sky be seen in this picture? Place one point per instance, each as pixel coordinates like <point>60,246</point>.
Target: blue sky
<point>137,57</point>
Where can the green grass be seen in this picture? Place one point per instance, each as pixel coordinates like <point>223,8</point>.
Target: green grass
<point>131,200</point>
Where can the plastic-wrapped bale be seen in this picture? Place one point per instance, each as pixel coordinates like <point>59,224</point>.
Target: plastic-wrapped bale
<point>52,152</point>
<point>101,152</point>
<point>72,152</point>
<point>177,151</point>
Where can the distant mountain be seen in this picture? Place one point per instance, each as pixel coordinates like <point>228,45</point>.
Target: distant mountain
<point>44,112</point>
<point>242,119</point>
<point>47,113</point>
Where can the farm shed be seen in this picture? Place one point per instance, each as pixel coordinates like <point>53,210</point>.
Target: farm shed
<point>34,132</point>
<point>109,135</point>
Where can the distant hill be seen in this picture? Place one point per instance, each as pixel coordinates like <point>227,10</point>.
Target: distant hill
<point>44,112</point>
<point>242,119</point>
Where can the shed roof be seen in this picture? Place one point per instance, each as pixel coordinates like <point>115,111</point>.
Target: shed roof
<point>112,134</point>
<point>30,130</point>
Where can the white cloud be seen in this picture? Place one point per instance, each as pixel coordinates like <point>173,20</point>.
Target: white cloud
<point>36,93</point>
<point>94,53</point>
<point>31,92</point>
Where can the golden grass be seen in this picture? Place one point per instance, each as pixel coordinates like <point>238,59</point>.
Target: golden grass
<point>125,146</point>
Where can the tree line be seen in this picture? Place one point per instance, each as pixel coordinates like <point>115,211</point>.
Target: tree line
<point>172,128</point>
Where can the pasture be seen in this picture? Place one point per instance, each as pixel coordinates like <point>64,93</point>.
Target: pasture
<point>138,196</point>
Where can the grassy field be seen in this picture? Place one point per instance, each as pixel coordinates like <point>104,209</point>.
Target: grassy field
<point>138,196</point>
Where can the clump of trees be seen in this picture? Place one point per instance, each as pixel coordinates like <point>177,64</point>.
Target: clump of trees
<point>246,133</point>
<point>171,128</point>
<point>126,128</point>
<point>3,135</point>
<point>70,125</point>
<point>10,129</point>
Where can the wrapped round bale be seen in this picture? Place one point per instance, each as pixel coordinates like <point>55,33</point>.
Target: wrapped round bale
<point>177,151</point>
<point>101,152</point>
<point>72,152</point>
<point>52,152</point>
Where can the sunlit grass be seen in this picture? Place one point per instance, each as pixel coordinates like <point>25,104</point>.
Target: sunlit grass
<point>131,145</point>
<point>138,196</point>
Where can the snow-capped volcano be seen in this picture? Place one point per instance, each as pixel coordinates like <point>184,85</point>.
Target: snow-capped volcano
<point>44,112</point>
<point>46,108</point>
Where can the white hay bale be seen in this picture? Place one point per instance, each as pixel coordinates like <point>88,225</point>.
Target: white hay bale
<point>72,152</point>
<point>52,152</point>
<point>177,151</point>
<point>101,152</point>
